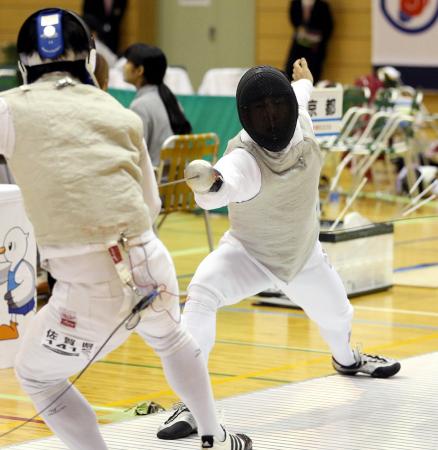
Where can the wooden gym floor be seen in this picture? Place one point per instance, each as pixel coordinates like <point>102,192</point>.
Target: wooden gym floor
<point>258,347</point>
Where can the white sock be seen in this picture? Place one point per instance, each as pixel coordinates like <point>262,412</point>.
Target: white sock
<point>201,323</point>
<point>72,419</point>
<point>339,344</point>
<point>187,374</point>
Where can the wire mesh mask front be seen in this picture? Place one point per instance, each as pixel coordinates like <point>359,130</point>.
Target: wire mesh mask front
<point>267,107</point>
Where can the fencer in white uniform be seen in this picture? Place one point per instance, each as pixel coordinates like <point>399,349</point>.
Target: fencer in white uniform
<point>87,181</point>
<point>269,178</point>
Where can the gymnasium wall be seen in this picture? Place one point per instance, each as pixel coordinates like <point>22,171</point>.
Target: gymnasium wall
<point>349,54</point>
<point>13,13</point>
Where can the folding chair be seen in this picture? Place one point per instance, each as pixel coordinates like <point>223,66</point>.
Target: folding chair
<point>355,96</point>
<point>176,152</point>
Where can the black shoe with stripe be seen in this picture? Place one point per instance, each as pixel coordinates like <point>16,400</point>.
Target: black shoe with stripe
<point>374,365</point>
<point>180,424</point>
<point>231,442</point>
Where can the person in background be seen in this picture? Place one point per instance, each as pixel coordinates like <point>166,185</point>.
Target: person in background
<point>90,192</point>
<point>109,14</point>
<point>155,103</point>
<point>116,78</point>
<point>268,178</point>
<point>313,25</point>
<point>95,28</point>
<point>384,77</point>
<point>101,72</point>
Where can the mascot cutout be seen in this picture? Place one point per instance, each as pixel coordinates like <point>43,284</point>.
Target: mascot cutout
<point>18,276</point>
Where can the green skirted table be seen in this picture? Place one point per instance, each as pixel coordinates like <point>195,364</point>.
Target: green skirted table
<point>8,77</point>
<point>205,113</point>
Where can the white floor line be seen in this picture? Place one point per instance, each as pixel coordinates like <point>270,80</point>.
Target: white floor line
<point>331,413</point>
<point>398,311</point>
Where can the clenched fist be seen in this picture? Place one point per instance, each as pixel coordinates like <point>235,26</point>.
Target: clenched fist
<point>301,70</point>
<point>201,176</point>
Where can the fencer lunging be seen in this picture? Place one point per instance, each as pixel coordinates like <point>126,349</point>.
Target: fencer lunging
<point>268,178</point>
<point>80,160</point>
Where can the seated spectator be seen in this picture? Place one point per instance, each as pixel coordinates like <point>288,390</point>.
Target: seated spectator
<point>154,103</point>
<point>96,30</point>
<point>116,79</point>
<point>384,77</point>
<point>101,72</point>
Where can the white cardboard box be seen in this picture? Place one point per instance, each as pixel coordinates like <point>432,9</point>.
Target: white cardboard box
<point>362,257</point>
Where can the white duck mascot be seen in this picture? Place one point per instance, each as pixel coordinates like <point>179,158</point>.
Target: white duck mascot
<point>19,275</point>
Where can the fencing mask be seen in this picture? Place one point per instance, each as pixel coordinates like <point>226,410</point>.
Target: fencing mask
<point>52,40</point>
<point>267,107</point>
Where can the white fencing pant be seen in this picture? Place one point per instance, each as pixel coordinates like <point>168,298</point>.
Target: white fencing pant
<point>229,275</point>
<point>87,304</point>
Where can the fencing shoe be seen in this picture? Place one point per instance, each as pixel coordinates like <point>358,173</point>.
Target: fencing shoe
<point>231,442</point>
<point>180,424</point>
<point>373,365</point>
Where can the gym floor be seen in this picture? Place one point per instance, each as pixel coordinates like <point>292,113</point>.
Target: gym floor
<point>260,347</point>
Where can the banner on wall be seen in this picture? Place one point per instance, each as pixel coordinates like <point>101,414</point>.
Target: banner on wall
<point>405,35</point>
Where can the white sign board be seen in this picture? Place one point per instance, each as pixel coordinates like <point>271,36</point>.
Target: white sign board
<point>325,109</point>
<point>17,273</point>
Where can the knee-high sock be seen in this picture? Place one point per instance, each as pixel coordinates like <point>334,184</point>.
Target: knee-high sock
<point>71,419</point>
<point>200,319</point>
<point>187,374</point>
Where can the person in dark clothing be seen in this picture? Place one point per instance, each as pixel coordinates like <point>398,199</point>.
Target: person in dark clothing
<point>313,25</point>
<point>109,13</point>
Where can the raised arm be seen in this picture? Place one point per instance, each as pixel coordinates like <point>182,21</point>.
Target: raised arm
<point>303,87</point>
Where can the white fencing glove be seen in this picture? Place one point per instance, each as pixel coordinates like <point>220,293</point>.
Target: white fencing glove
<point>202,177</point>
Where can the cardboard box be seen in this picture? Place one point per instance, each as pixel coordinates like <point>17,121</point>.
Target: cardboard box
<point>363,258</point>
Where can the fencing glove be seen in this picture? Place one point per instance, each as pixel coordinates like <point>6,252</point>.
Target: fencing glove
<point>202,177</point>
